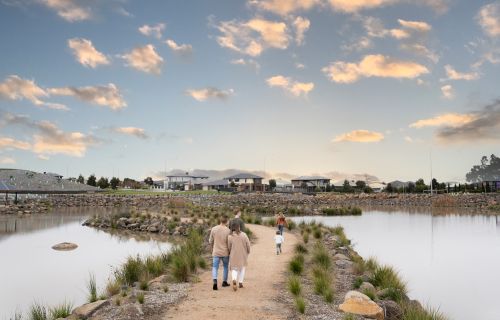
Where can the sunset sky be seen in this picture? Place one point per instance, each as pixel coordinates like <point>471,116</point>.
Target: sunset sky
<point>299,86</point>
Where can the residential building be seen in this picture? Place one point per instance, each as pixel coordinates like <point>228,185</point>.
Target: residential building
<point>246,182</point>
<point>184,182</point>
<point>311,183</point>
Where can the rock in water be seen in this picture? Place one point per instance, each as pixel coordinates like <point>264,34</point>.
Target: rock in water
<point>65,246</point>
<point>358,303</point>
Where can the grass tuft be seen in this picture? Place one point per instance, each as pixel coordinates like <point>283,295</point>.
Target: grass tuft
<point>61,311</point>
<point>294,285</point>
<point>296,265</point>
<point>140,298</point>
<point>300,304</point>
<point>92,287</point>
<point>38,312</point>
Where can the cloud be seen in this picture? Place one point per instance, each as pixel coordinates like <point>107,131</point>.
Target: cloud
<point>446,119</point>
<point>183,49</point>
<point>420,50</point>
<point>360,44</point>
<point>69,10</point>
<point>373,66</point>
<point>144,59</point>
<point>483,127</point>
<point>363,136</point>
<point>294,87</point>
<point>253,36</point>
<point>452,74</point>
<point>375,28</point>
<point>204,94</point>
<point>132,131</point>
<point>448,92</point>
<point>16,88</point>
<point>488,18</point>
<point>439,6</point>
<point>301,25</point>
<point>10,143</point>
<point>352,6</point>
<point>48,138</point>
<point>106,95</point>
<point>43,157</point>
<point>284,7</point>
<point>246,62</point>
<point>419,26</point>
<point>86,54</point>
<point>154,31</point>
<point>7,160</point>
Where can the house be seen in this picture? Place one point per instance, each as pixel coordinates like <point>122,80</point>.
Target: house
<point>246,182</point>
<point>184,182</point>
<point>311,183</point>
<point>157,185</point>
<point>216,185</point>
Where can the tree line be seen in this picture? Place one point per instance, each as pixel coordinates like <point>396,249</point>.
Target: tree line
<point>114,183</point>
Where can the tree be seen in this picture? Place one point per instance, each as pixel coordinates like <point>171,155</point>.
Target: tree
<point>91,181</point>
<point>114,182</point>
<point>148,181</point>
<point>272,184</point>
<point>103,183</point>
<point>367,189</point>
<point>389,188</point>
<point>488,170</point>
<point>360,184</point>
<point>80,179</point>
<point>435,184</point>
<point>420,186</point>
<point>411,187</point>
<point>346,187</point>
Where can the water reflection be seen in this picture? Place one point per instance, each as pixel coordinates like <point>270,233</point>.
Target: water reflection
<point>38,273</point>
<point>450,261</point>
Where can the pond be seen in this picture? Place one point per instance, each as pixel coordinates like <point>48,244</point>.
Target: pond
<point>451,262</point>
<point>33,272</point>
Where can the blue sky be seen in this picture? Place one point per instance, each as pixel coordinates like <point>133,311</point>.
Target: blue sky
<point>296,86</point>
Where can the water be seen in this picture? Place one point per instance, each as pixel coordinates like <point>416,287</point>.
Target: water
<point>31,271</point>
<point>449,261</point>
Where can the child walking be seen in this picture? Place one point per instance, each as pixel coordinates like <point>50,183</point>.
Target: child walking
<point>278,239</point>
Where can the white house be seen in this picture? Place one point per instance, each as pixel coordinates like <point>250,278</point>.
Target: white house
<point>184,182</point>
<point>311,182</point>
<point>246,182</point>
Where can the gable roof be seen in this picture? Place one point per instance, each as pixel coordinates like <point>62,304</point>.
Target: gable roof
<point>308,178</point>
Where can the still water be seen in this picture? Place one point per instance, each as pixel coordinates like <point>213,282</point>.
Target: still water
<point>449,261</point>
<point>31,271</point>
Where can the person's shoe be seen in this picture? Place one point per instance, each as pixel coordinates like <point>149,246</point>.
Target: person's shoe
<point>240,285</point>
<point>225,284</point>
<point>215,286</point>
<point>234,285</point>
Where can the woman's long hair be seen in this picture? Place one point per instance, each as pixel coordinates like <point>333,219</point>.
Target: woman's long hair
<point>236,228</point>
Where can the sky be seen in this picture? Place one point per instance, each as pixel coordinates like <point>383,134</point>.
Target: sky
<point>129,88</point>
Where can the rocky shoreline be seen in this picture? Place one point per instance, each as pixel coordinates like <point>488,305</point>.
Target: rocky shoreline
<point>293,204</point>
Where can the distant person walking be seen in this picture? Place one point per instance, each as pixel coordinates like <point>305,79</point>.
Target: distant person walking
<point>278,239</point>
<point>281,222</point>
<point>220,250</point>
<point>239,248</point>
<point>237,220</point>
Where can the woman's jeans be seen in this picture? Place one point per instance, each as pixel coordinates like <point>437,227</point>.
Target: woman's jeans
<point>280,228</point>
<point>215,267</point>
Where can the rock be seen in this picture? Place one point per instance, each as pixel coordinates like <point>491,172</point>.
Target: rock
<point>367,286</point>
<point>344,264</point>
<point>392,310</point>
<point>65,246</point>
<point>357,303</point>
<point>88,309</point>
<point>340,256</point>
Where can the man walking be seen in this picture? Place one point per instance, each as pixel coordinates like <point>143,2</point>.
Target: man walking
<point>220,250</point>
<point>237,221</point>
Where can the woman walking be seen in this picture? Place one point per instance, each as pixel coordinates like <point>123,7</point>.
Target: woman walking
<point>239,249</point>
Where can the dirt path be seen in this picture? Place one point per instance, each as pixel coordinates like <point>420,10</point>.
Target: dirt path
<point>256,300</point>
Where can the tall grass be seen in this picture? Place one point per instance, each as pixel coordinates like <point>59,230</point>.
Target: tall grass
<point>296,265</point>
<point>413,312</point>
<point>300,304</point>
<point>92,288</point>
<point>294,285</point>
<point>386,277</point>
<point>37,312</point>
<point>61,311</point>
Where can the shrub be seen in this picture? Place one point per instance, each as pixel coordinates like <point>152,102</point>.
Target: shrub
<point>202,263</point>
<point>144,285</point>
<point>37,312</point>
<point>328,294</point>
<point>321,281</point>
<point>358,282</point>
<point>92,287</point>
<point>305,237</point>
<point>300,248</point>
<point>300,304</point>
<point>180,268</point>
<point>140,297</point>
<point>257,220</point>
<point>291,225</point>
<point>154,266</point>
<point>112,287</point>
<point>321,257</point>
<point>317,233</point>
<point>386,277</point>
<point>296,265</point>
<point>131,270</point>
<point>61,311</point>
<point>294,285</point>
<point>413,312</point>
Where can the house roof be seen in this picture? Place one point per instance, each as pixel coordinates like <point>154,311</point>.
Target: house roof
<point>216,183</point>
<point>244,176</point>
<point>186,176</point>
<point>309,178</point>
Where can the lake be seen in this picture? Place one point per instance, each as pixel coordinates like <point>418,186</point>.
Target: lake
<point>449,261</point>
<point>32,271</point>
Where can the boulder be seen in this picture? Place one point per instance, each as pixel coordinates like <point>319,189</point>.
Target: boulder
<point>367,286</point>
<point>343,264</point>
<point>340,256</point>
<point>392,310</point>
<point>357,303</point>
<point>87,310</point>
<point>65,246</point>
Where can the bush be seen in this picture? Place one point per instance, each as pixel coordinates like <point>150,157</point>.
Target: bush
<point>294,285</point>
<point>358,282</point>
<point>300,304</point>
<point>413,312</point>
<point>202,263</point>
<point>317,233</point>
<point>140,298</point>
<point>321,281</point>
<point>291,225</point>
<point>154,266</point>
<point>61,311</point>
<point>305,237</point>
<point>328,294</point>
<point>38,312</point>
<point>144,285</point>
<point>386,277</point>
<point>131,270</point>
<point>296,265</point>
<point>112,288</point>
<point>300,248</point>
<point>321,257</point>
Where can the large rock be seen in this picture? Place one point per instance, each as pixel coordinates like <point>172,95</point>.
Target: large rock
<point>65,246</point>
<point>392,310</point>
<point>367,286</point>
<point>86,311</point>
<point>357,303</point>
